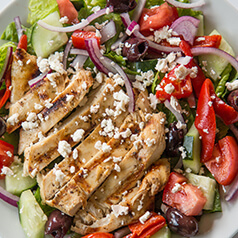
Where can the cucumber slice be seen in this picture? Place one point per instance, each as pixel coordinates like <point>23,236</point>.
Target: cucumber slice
<point>46,42</point>
<point>215,65</point>
<point>17,183</point>
<point>207,185</point>
<point>162,233</point>
<point>32,217</point>
<point>200,31</point>
<point>192,144</point>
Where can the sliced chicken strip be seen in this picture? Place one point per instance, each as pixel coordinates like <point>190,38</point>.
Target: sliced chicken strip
<point>24,68</point>
<point>76,192</point>
<point>133,205</point>
<point>39,155</point>
<point>56,110</point>
<point>34,100</point>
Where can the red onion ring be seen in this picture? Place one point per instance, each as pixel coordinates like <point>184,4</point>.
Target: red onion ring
<point>186,5</point>
<point>232,189</point>
<point>138,10</point>
<point>154,46</point>
<point>106,66</point>
<point>8,197</point>
<point>6,62</point>
<point>75,51</point>
<point>37,79</point>
<point>78,26</point>
<point>186,26</point>
<point>18,27</point>
<point>79,61</point>
<point>132,27</point>
<point>66,53</point>
<point>210,50</point>
<point>234,129</point>
<point>108,31</point>
<point>178,115</point>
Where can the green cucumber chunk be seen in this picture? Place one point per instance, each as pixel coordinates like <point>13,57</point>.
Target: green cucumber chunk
<point>46,42</point>
<point>17,183</point>
<point>164,232</point>
<point>32,217</point>
<point>213,64</point>
<point>200,31</point>
<point>207,185</point>
<point>192,144</point>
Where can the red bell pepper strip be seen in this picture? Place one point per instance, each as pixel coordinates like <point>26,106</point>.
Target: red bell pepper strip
<point>99,235</point>
<point>198,81</point>
<point>207,41</point>
<point>150,227</point>
<point>205,120</point>
<point>209,105</point>
<point>22,44</point>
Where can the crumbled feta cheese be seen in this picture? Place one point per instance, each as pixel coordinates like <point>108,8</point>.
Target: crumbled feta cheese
<point>145,217</point>
<point>48,104</point>
<point>64,148</point>
<point>6,171</point>
<point>64,20</point>
<point>75,154</point>
<point>78,135</point>
<point>106,148</point>
<point>13,120</point>
<point>72,169</point>
<point>150,142</point>
<point>153,101</point>
<point>169,88</point>
<point>43,65</point>
<point>94,108</point>
<point>55,62</point>
<point>117,168</point>
<point>126,133</point>
<point>183,152</point>
<point>29,125</point>
<point>177,187</point>
<point>205,131</point>
<point>119,210</point>
<point>69,97</point>
<point>38,106</point>
<point>31,116</point>
<point>98,145</point>
<point>232,85</point>
<point>59,175</point>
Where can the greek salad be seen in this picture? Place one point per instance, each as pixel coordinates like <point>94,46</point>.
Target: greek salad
<point>117,118</point>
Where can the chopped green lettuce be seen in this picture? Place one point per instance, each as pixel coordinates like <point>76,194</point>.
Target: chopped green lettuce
<point>10,33</point>
<point>41,9</point>
<point>3,52</point>
<point>93,3</point>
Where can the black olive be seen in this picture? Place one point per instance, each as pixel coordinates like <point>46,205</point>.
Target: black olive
<point>58,224</point>
<point>174,140</point>
<point>180,223</point>
<point>3,126</point>
<point>122,5</point>
<point>232,99</point>
<point>135,49</point>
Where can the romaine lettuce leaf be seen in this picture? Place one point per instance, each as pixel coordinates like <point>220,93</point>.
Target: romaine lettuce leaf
<point>10,33</point>
<point>93,3</point>
<point>41,9</point>
<point>3,52</point>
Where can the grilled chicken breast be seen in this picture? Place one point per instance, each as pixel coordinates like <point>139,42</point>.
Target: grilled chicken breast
<point>24,68</point>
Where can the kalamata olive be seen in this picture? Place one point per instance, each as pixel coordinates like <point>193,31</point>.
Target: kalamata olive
<point>180,223</point>
<point>2,126</point>
<point>135,49</point>
<point>232,99</point>
<point>58,224</point>
<point>174,140</point>
<point>122,5</point>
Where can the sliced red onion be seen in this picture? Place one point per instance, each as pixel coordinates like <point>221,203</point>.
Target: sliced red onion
<point>37,79</point>
<point>132,27</point>
<point>19,29</point>
<point>186,5</point>
<point>210,50</point>
<point>178,115</point>
<point>231,189</point>
<point>78,26</point>
<point>234,129</point>
<point>8,197</point>
<point>75,51</point>
<point>108,31</point>
<point>186,26</point>
<point>106,66</point>
<point>153,46</point>
<point>66,53</point>
<point>122,232</point>
<point>79,61</point>
<point>6,62</point>
<point>119,42</point>
<point>138,10</point>
<point>191,100</point>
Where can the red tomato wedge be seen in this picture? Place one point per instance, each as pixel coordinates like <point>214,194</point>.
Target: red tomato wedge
<point>224,162</point>
<point>22,44</point>
<point>150,227</point>
<point>207,41</point>
<point>6,156</point>
<point>99,235</point>
<point>156,18</point>
<point>67,9</point>
<point>170,85</point>
<point>79,37</point>
<point>187,198</point>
